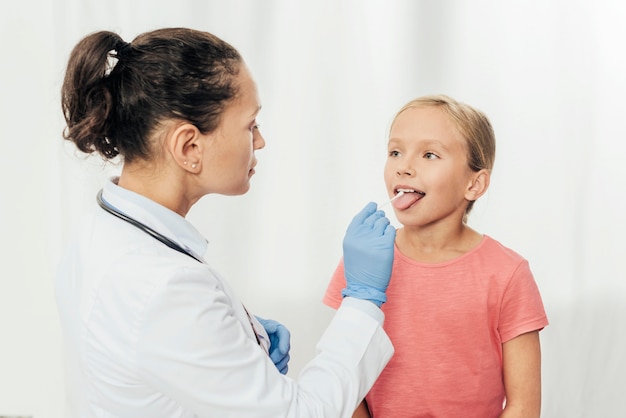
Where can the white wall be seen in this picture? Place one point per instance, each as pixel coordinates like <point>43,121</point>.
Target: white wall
<point>331,75</point>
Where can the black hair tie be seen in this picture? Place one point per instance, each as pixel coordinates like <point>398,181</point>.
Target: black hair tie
<point>123,50</point>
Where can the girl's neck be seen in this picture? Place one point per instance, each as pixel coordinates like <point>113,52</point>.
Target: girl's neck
<point>436,245</point>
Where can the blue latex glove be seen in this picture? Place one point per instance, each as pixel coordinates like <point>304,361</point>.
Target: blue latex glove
<point>279,343</point>
<point>368,255</point>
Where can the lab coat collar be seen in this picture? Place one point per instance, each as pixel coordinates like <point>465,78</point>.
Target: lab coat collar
<point>156,216</point>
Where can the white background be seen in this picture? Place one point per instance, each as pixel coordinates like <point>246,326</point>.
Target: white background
<point>331,73</point>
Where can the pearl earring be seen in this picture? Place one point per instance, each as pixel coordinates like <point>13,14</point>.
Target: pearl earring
<point>193,166</point>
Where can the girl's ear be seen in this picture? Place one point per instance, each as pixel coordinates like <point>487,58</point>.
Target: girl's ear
<point>478,185</point>
<point>186,147</point>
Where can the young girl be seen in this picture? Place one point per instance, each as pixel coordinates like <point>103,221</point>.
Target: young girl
<point>464,312</point>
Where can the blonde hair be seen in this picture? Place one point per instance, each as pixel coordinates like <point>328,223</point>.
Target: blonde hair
<point>472,124</point>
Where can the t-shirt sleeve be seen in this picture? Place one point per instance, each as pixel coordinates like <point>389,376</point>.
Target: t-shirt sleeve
<point>522,309</point>
<point>333,297</point>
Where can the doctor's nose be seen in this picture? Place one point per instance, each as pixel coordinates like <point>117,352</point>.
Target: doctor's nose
<point>258,141</point>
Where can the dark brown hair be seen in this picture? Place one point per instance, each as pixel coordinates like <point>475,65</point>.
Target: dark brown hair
<point>116,94</point>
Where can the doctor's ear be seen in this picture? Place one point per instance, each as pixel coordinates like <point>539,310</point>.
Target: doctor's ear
<point>478,185</point>
<point>186,147</point>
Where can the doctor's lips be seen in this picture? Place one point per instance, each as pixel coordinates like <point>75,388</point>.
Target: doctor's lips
<point>406,197</point>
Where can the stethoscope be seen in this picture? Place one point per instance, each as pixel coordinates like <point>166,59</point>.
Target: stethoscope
<point>145,228</point>
<point>165,240</point>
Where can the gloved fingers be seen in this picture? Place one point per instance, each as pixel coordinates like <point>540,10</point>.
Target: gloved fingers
<point>280,359</point>
<point>281,343</point>
<point>373,218</point>
<point>276,356</point>
<point>269,324</point>
<point>363,214</point>
<point>390,232</point>
<point>280,337</point>
<point>380,225</point>
<point>284,338</point>
<point>280,356</point>
<point>283,364</point>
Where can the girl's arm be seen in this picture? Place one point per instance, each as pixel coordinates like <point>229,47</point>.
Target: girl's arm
<point>361,411</point>
<point>521,359</point>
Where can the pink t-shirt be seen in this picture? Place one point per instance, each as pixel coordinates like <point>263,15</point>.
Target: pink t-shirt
<point>447,322</point>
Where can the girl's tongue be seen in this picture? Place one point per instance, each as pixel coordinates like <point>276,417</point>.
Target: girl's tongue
<point>406,200</point>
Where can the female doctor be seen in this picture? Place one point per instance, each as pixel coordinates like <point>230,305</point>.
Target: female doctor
<point>151,330</point>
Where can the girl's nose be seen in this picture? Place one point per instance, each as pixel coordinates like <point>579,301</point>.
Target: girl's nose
<point>405,171</point>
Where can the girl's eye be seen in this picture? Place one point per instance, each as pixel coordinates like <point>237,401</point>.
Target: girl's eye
<point>255,127</point>
<point>430,156</point>
<point>393,153</point>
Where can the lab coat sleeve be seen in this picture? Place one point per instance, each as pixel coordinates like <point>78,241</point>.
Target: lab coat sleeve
<point>192,348</point>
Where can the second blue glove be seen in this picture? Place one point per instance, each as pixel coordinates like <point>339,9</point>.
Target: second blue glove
<point>280,343</point>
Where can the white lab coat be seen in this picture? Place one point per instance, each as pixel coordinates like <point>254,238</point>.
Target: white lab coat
<point>150,332</point>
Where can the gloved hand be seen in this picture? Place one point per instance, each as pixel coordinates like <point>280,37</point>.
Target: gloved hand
<point>368,255</point>
<point>279,343</point>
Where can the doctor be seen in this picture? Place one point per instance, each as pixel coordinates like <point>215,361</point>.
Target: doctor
<point>151,330</point>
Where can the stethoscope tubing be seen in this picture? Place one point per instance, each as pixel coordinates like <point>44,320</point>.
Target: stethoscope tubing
<point>159,237</point>
<point>145,228</point>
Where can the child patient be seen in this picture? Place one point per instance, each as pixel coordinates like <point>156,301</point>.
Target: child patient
<point>464,311</point>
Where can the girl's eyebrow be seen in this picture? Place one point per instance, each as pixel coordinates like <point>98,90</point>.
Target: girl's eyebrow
<point>436,143</point>
<point>422,142</point>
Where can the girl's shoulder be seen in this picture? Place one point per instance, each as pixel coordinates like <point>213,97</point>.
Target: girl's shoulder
<point>494,248</point>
